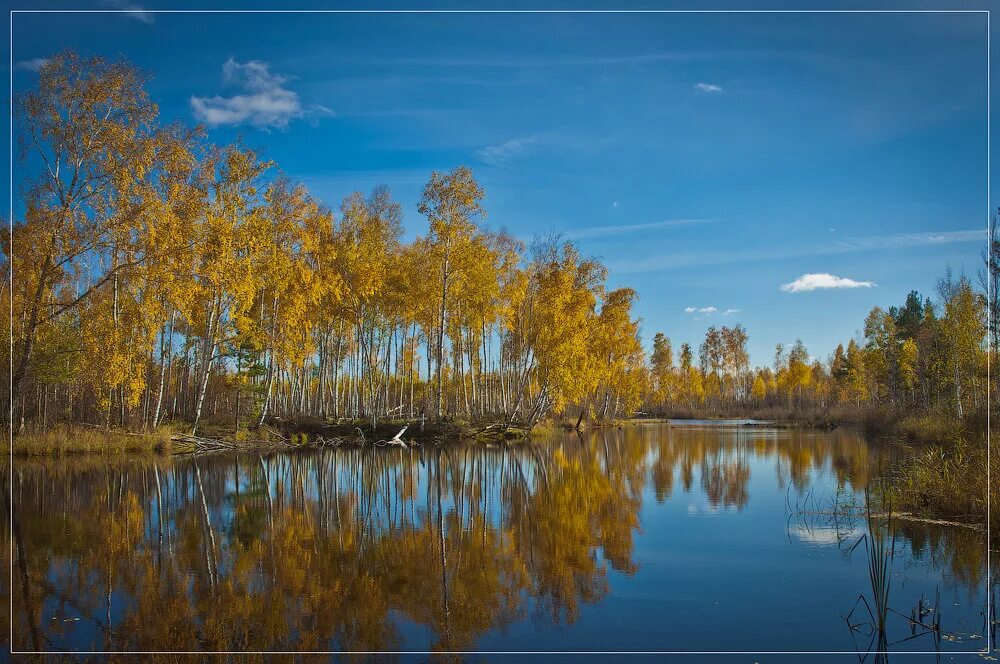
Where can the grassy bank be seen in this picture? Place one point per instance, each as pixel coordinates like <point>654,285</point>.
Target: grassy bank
<point>923,428</point>
<point>813,416</point>
<point>948,482</point>
<point>941,473</point>
<point>941,428</point>
<point>65,439</point>
<point>313,432</point>
<point>74,439</point>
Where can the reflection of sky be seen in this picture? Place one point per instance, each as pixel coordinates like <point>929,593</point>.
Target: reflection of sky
<point>751,578</point>
<point>825,536</point>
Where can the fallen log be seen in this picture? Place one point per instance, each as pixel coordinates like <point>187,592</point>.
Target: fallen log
<point>397,440</point>
<point>201,444</point>
<point>899,516</point>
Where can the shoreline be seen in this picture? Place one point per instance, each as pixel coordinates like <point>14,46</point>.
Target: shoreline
<point>305,433</point>
<point>81,440</point>
<point>919,486</point>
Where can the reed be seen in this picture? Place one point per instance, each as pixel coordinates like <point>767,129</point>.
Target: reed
<point>949,481</point>
<point>880,543</point>
<point>67,439</point>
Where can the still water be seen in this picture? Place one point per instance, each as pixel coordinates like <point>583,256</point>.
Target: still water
<point>648,537</point>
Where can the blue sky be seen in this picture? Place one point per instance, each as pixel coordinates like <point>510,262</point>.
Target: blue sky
<point>708,159</point>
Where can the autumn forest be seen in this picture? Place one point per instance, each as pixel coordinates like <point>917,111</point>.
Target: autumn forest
<point>157,278</point>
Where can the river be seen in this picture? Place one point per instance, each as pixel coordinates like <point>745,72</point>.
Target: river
<point>694,536</point>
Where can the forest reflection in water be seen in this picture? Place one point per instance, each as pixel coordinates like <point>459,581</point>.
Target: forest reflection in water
<point>451,549</point>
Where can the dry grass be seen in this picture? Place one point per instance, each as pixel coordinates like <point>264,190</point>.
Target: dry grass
<point>547,428</point>
<point>937,427</point>
<point>948,481</point>
<point>63,440</point>
<point>805,416</point>
<point>943,471</point>
<point>940,428</point>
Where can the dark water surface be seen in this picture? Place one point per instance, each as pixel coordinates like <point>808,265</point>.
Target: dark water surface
<point>649,537</point>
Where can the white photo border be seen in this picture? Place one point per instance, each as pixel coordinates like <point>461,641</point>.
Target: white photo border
<point>10,429</point>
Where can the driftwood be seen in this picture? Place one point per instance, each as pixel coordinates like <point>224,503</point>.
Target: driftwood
<point>907,516</point>
<point>899,516</point>
<point>397,440</point>
<point>200,444</point>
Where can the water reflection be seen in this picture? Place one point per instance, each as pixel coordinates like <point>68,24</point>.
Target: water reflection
<point>389,549</point>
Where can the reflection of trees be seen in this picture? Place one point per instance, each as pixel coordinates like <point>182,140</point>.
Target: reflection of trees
<point>322,550</point>
<point>959,552</point>
<point>339,549</point>
<point>722,457</point>
<point>725,481</point>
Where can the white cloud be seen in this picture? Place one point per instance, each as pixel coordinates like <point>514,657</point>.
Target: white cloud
<point>729,312</point>
<point>813,281</point>
<point>689,310</point>
<point>701,310</point>
<point>823,536</point>
<point>266,101</point>
<point>34,64</point>
<point>708,87</point>
<point>132,10</point>
<point>500,154</point>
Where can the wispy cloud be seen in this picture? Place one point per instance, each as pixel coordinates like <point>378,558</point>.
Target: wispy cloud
<point>822,280</point>
<point>604,231</point>
<point>708,87</point>
<point>906,240</point>
<point>502,153</point>
<point>266,101</point>
<point>519,147</point>
<point>34,64</point>
<point>667,261</point>
<point>132,10</point>
<point>570,61</point>
<point>708,311</point>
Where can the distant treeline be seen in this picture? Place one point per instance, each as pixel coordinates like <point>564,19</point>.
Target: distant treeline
<point>157,277</point>
<point>919,357</point>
